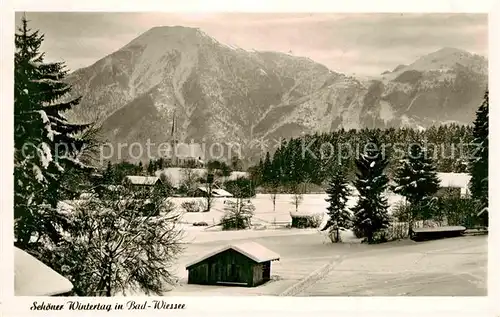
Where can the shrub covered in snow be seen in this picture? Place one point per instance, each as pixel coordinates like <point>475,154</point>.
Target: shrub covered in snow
<point>191,206</point>
<point>395,231</point>
<point>458,211</point>
<point>200,224</point>
<point>306,220</point>
<point>238,214</point>
<point>401,211</point>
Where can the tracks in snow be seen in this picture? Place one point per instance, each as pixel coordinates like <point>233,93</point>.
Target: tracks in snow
<point>312,278</point>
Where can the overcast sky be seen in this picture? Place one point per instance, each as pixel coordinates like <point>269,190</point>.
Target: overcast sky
<point>361,44</point>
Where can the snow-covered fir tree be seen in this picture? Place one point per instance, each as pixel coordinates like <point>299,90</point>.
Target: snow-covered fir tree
<point>338,193</point>
<point>267,170</point>
<point>479,161</point>
<point>46,143</point>
<point>416,179</point>
<point>370,212</point>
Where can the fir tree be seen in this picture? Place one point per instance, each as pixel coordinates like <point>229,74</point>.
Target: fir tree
<point>107,176</point>
<point>479,161</point>
<point>151,167</point>
<point>46,143</point>
<point>338,194</point>
<point>267,169</point>
<point>370,213</point>
<point>416,180</point>
<point>161,163</point>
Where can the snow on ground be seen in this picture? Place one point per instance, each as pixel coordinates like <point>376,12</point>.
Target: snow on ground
<point>197,235</point>
<point>264,213</point>
<point>311,267</point>
<point>450,267</point>
<point>273,222</point>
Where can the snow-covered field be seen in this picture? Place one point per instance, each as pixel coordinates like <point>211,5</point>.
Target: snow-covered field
<point>310,265</point>
<point>264,214</point>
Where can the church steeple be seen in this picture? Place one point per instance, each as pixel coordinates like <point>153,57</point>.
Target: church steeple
<point>174,139</point>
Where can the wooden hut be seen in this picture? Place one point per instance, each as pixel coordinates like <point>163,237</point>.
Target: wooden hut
<point>421,234</point>
<point>246,264</point>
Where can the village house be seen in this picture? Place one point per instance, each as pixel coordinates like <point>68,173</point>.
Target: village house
<point>141,182</point>
<point>454,183</point>
<point>202,191</point>
<point>177,175</point>
<point>245,264</point>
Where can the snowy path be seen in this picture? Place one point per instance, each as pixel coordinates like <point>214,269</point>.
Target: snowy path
<point>312,278</point>
<point>452,267</point>
<point>308,267</point>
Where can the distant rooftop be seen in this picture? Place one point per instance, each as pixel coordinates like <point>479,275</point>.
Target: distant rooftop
<point>457,180</point>
<point>141,180</point>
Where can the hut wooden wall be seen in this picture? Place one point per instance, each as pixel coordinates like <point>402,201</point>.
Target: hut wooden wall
<point>261,273</point>
<point>229,267</point>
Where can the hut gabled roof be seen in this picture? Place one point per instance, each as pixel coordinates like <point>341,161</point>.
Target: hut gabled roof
<point>252,250</point>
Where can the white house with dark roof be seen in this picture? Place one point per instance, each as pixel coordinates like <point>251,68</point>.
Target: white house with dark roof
<point>455,180</point>
<point>143,181</point>
<point>202,191</point>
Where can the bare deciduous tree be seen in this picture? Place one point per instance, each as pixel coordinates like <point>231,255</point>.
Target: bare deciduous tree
<point>297,196</point>
<point>189,179</point>
<point>273,194</point>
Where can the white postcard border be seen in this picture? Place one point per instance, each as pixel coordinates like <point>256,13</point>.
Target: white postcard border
<point>243,306</point>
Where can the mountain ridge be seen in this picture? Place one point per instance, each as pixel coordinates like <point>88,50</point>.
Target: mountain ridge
<point>225,93</point>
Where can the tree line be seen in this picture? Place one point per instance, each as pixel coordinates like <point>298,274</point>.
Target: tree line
<point>313,158</point>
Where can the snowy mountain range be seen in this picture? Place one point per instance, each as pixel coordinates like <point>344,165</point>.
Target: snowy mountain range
<point>221,93</point>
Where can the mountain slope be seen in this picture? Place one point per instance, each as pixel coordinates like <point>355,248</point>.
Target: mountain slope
<point>225,94</point>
